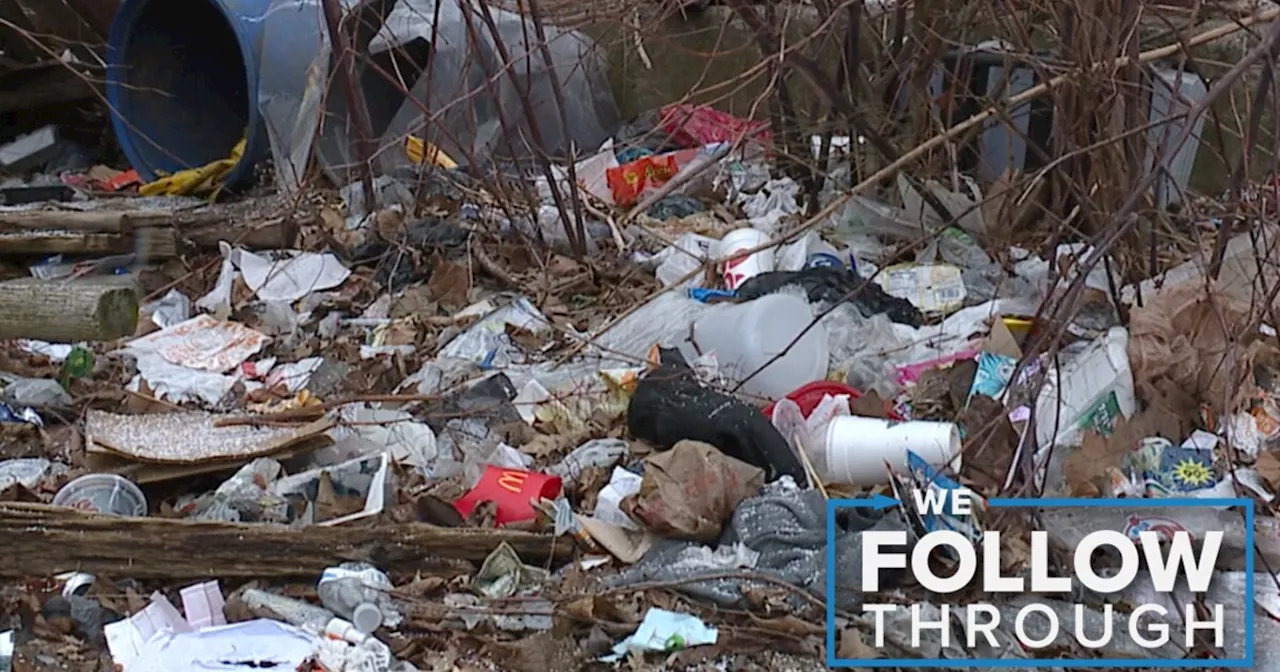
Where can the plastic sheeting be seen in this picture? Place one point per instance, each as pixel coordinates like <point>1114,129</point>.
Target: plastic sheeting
<point>471,89</point>
<point>784,534</point>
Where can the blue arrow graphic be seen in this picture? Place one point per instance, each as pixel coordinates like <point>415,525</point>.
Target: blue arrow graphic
<point>878,502</point>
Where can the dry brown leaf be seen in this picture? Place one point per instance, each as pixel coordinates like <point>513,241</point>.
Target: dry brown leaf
<point>869,405</point>
<point>1085,470</point>
<point>990,445</point>
<point>790,625</point>
<point>400,333</point>
<point>449,284</point>
<point>388,223</point>
<point>851,646</point>
<point>1269,468</point>
<point>548,444</point>
<point>543,652</point>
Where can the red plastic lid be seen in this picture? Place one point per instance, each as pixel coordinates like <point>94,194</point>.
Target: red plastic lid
<point>809,395</point>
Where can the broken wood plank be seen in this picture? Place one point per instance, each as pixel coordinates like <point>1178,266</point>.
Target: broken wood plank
<point>69,311</point>
<point>104,221</point>
<point>63,242</point>
<point>161,242</point>
<point>49,86</point>
<point>42,540</point>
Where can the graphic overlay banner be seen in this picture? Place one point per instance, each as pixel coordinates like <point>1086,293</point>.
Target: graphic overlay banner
<point>1180,567</point>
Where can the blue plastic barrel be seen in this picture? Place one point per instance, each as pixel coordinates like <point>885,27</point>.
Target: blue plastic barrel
<point>182,82</point>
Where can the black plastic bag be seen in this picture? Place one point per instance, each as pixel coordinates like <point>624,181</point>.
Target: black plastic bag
<point>824,284</point>
<point>670,405</point>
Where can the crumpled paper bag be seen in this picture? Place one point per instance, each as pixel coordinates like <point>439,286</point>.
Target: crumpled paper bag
<point>1204,341</point>
<point>690,491</point>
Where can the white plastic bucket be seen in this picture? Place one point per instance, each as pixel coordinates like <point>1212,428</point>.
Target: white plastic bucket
<point>736,270</point>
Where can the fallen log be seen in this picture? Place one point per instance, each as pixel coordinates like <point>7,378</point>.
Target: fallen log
<point>159,240</point>
<point>17,243</point>
<point>69,311</point>
<point>103,221</point>
<point>43,540</point>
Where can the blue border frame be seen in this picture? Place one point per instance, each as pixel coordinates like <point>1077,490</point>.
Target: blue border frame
<point>834,505</point>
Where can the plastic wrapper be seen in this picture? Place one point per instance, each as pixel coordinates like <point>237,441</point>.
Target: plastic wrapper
<point>681,259</point>
<point>860,348</point>
<point>597,453</point>
<point>775,201</point>
<point>982,276</point>
<point>24,471</point>
<point>304,615</point>
<point>487,343</point>
<point>663,630</point>
<point>244,496</point>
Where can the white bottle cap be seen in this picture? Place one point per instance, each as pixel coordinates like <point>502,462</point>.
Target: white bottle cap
<point>366,617</point>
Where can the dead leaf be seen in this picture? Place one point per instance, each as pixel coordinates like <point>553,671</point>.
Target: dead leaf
<point>449,284</point>
<point>1269,468</point>
<point>851,646</point>
<point>789,625</point>
<point>990,444</point>
<point>400,333</point>
<point>336,227</point>
<point>388,223</point>
<point>1085,469</point>
<point>543,652</point>
<point>869,405</point>
<point>421,587</point>
<point>597,608</point>
<point>548,444</point>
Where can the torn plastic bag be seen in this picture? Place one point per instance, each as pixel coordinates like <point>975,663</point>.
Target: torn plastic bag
<point>470,86</point>
<point>833,285</point>
<point>665,320</point>
<point>489,400</point>
<point>670,405</point>
<point>785,531</point>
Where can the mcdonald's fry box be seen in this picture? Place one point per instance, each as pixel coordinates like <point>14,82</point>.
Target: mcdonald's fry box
<point>513,490</point>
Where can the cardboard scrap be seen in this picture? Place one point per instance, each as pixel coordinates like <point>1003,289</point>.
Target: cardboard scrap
<point>691,490</point>
<point>189,437</point>
<point>1203,341</point>
<point>150,472</point>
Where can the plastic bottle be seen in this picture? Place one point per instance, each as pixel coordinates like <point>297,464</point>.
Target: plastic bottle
<point>747,336</point>
<point>304,615</point>
<point>1091,391</point>
<point>346,631</point>
<point>358,592</point>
